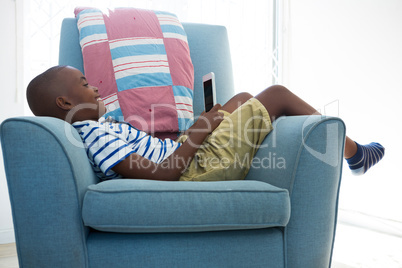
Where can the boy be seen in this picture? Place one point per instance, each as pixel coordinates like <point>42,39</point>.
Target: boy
<point>208,150</point>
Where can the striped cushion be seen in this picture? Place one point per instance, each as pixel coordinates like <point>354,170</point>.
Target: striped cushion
<point>140,62</point>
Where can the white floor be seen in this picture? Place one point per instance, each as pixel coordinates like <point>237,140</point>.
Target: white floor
<point>364,241</point>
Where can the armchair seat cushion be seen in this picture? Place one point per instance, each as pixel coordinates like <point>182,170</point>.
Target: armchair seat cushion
<point>143,206</point>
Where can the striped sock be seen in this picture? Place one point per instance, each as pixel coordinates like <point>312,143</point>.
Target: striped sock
<point>366,156</point>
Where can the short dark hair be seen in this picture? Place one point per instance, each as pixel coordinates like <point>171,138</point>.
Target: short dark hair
<point>40,93</point>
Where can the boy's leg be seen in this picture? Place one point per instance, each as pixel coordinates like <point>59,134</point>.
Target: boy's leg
<point>236,101</point>
<point>350,148</point>
<point>279,101</point>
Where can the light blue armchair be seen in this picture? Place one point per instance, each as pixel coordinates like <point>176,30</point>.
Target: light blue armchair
<point>283,214</point>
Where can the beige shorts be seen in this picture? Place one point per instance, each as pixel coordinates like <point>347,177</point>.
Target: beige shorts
<point>227,153</point>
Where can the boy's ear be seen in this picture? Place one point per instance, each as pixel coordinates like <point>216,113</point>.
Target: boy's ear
<point>63,103</point>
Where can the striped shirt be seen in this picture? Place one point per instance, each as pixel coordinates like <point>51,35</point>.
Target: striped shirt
<point>108,142</point>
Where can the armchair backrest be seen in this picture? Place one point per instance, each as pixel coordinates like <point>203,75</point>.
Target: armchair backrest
<point>209,49</point>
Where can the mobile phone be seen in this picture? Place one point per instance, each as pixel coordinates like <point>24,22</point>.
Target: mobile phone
<point>208,81</point>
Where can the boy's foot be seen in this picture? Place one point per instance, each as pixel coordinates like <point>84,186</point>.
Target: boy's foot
<point>366,156</point>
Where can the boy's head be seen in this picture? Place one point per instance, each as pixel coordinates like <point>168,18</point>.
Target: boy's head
<point>63,92</point>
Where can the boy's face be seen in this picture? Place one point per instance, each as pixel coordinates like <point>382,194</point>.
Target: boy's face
<point>84,99</point>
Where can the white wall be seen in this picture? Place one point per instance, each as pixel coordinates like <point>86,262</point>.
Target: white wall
<point>350,52</point>
<point>11,101</point>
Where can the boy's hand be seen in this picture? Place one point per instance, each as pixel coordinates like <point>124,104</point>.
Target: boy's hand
<point>208,121</point>
<point>136,166</point>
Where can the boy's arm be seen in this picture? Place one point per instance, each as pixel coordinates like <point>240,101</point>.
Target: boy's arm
<point>136,166</point>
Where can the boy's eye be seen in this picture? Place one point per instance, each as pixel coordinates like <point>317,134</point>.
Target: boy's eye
<point>86,85</point>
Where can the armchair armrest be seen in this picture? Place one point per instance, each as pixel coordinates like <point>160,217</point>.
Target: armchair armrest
<point>47,179</point>
<point>304,154</point>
